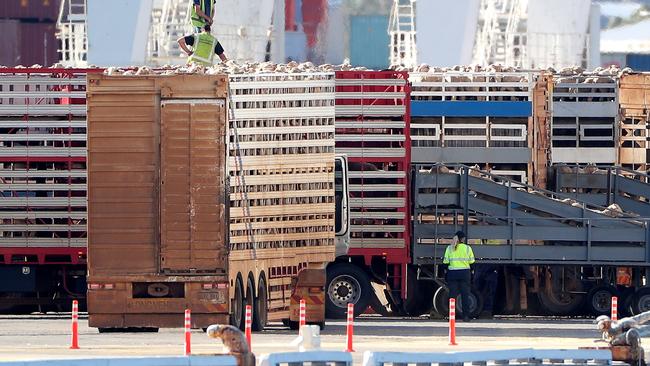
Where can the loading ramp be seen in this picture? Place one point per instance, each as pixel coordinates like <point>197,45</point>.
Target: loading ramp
<point>532,225</point>
<point>627,188</point>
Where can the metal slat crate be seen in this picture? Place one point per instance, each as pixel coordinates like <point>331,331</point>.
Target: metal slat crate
<point>474,118</point>
<point>43,161</point>
<point>281,160</point>
<point>372,129</point>
<point>584,115</point>
<point>634,97</point>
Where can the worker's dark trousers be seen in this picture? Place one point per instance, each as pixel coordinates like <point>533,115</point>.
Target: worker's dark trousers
<point>485,279</point>
<point>459,282</point>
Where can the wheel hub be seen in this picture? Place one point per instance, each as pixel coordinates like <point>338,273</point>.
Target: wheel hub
<point>344,290</point>
<point>601,301</point>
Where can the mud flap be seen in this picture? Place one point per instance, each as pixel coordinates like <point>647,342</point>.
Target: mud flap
<point>309,285</point>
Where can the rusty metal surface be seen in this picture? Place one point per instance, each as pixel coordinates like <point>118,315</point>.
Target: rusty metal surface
<point>193,222</point>
<point>156,200</point>
<point>42,10</point>
<point>122,176</point>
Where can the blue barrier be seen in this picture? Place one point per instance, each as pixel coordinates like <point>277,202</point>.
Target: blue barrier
<point>133,361</point>
<point>579,356</point>
<point>439,108</point>
<point>337,357</point>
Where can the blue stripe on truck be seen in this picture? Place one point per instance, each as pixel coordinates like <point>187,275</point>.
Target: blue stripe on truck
<point>438,108</point>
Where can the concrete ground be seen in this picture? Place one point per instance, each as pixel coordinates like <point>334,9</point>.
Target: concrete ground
<point>48,336</point>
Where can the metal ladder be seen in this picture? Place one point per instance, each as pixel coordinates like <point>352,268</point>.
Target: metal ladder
<point>403,50</point>
<point>169,22</point>
<point>71,31</point>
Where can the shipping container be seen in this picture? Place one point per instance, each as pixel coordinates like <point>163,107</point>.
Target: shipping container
<point>38,44</point>
<point>9,42</point>
<point>638,61</point>
<point>37,10</point>
<point>369,41</point>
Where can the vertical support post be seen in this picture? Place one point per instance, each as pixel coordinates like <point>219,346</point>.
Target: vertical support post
<point>452,322</point>
<point>248,325</point>
<point>75,325</point>
<point>350,328</point>
<point>588,240</point>
<point>614,308</point>
<point>188,336</point>
<point>303,314</point>
<point>466,200</point>
<point>647,242</point>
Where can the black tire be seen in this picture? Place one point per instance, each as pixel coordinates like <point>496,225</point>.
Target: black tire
<point>599,300</point>
<point>346,283</point>
<point>641,300</point>
<point>441,303</point>
<point>260,308</point>
<point>557,299</point>
<point>419,297</point>
<point>237,313</point>
<point>292,325</point>
<point>13,309</point>
<point>249,299</point>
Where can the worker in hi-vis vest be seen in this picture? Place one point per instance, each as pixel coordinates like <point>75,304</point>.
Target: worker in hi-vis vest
<point>201,13</point>
<point>204,47</point>
<point>458,258</point>
<point>486,277</point>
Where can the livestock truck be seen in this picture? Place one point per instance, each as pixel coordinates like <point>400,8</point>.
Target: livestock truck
<point>528,160</point>
<point>531,132</point>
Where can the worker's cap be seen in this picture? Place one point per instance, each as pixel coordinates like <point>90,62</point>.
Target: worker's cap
<point>460,235</point>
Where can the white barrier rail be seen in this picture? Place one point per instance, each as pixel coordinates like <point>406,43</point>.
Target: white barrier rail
<point>296,358</point>
<point>133,361</point>
<point>501,357</point>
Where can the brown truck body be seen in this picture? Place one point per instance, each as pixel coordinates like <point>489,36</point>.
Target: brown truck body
<point>173,226</point>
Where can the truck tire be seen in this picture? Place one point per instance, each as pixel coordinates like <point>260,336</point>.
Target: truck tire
<point>441,303</point>
<point>419,296</point>
<point>346,283</point>
<point>237,313</point>
<point>641,300</point>
<point>260,309</point>
<point>599,300</point>
<point>558,299</point>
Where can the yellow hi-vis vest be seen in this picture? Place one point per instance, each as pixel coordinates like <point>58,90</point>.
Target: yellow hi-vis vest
<point>198,21</point>
<point>461,258</point>
<point>204,44</point>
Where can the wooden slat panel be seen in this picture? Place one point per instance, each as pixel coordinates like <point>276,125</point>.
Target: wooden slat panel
<point>192,196</point>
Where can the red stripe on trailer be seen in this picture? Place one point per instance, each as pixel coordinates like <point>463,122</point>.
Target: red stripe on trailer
<point>19,255</point>
<point>44,159</point>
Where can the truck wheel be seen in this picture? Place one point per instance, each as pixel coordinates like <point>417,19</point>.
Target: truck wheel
<point>441,303</point>
<point>641,302</point>
<point>599,300</point>
<point>249,300</point>
<point>419,297</point>
<point>260,309</point>
<point>557,298</point>
<point>237,313</point>
<point>346,283</point>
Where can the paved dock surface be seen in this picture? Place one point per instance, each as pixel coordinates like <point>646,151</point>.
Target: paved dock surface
<point>48,336</point>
